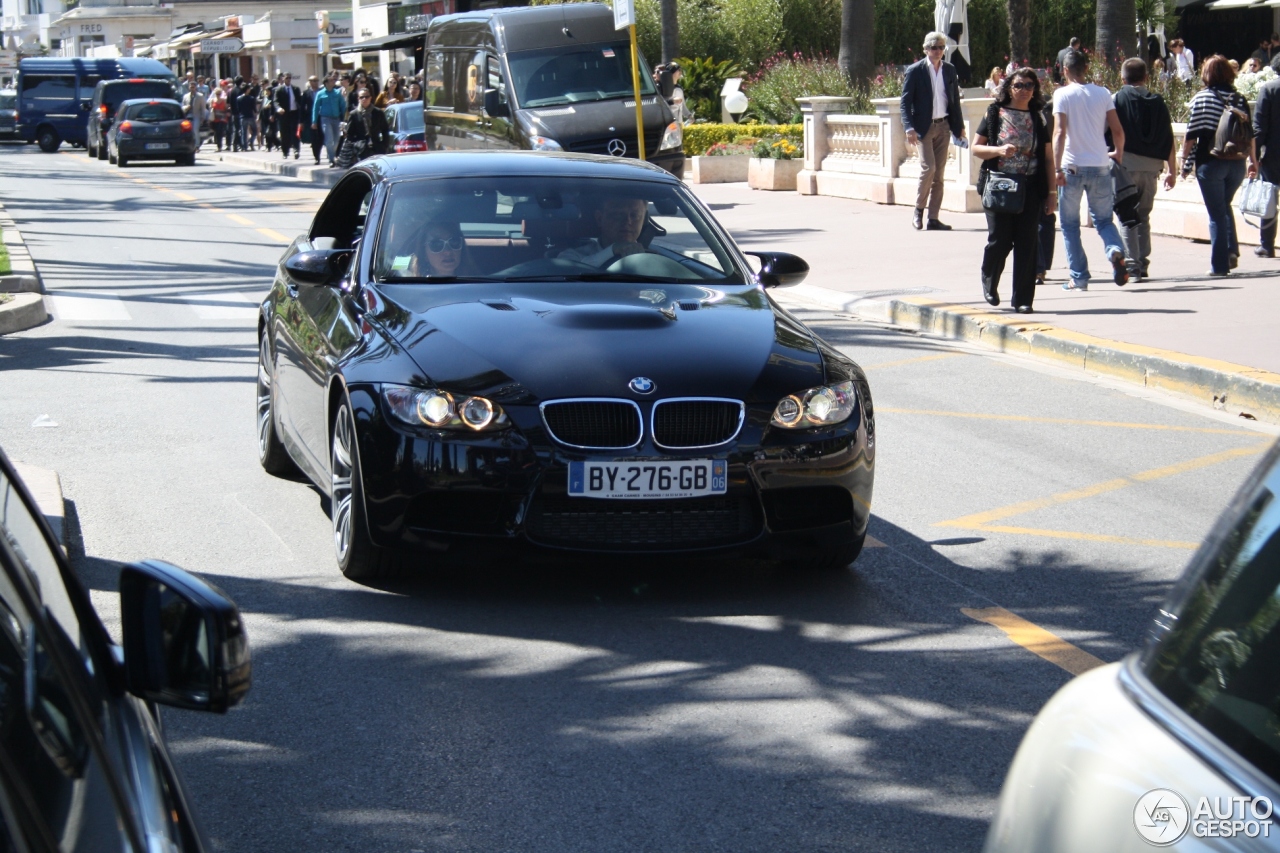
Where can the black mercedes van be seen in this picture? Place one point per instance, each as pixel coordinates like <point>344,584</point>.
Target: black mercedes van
<point>547,78</point>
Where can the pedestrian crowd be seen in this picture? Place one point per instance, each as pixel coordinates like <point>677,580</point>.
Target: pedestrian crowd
<point>1043,158</point>
<point>332,116</point>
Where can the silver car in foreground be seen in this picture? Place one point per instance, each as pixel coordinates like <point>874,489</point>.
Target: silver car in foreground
<point>1178,745</point>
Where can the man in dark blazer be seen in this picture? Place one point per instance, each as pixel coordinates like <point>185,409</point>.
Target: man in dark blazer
<point>1266,136</point>
<point>288,100</point>
<point>931,115</point>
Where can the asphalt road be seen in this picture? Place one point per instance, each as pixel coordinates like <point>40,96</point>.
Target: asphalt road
<point>622,706</point>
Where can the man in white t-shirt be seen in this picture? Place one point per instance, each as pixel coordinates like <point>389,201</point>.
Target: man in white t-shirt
<point>1083,113</point>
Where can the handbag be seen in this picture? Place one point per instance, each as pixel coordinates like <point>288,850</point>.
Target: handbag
<point>1004,192</point>
<point>1258,199</point>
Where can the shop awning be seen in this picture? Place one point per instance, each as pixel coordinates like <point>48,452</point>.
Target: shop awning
<point>391,42</point>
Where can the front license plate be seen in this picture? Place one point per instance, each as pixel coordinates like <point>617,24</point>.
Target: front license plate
<point>681,478</point>
<point>157,146</point>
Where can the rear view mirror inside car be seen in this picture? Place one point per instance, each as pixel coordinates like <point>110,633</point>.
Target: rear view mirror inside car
<point>184,641</point>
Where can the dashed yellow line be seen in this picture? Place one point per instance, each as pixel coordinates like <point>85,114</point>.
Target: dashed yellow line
<point>1028,419</point>
<point>274,235</point>
<point>1036,640</point>
<point>184,196</point>
<point>240,220</point>
<point>984,520</point>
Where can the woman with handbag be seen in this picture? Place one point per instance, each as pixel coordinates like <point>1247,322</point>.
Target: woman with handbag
<point>1216,148</point>
<point>1014,145</point>
<point>365,134</point>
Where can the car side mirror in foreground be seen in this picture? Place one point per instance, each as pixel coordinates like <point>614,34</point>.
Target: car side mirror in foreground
<point>779,269</point>
<point>318,266</point>
<point>184,641</point>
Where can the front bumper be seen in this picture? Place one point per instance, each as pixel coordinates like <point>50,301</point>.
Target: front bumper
<point>787,497</point>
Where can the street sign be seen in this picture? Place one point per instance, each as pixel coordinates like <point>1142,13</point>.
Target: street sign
<point>624,14</point>
<point>221,45</point>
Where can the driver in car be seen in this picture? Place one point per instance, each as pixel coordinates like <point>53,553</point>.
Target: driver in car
<point>619,221</point>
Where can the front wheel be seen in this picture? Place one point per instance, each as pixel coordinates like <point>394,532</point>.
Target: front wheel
<point>358,558</point>
<point>271,451</point>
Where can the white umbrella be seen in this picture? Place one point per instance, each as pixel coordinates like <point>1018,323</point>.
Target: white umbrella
<point>952,18</point>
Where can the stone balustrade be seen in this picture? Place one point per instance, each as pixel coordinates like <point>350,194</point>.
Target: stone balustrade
<point>867,157</point>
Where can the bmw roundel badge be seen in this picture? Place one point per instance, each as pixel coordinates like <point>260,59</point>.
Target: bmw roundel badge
<point>642,385</point>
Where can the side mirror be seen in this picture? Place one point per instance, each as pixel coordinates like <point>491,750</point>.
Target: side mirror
<point>318,266</point>
<point>494,105</point>
<point>779,269</point>
<point>184,641</point>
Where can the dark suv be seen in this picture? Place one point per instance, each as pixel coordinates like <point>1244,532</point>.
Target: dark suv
<point>107,98</point>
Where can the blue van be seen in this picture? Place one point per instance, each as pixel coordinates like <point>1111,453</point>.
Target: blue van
<point>54,94</point>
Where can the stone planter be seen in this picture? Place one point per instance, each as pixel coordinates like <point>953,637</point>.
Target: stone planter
<point>717,170</point>
<point>768,174</point>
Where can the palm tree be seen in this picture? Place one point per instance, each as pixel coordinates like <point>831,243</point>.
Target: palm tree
<point>670,31</point>
<point>1117,23</point>
<point>1019,32</point>
<point>857,57</point>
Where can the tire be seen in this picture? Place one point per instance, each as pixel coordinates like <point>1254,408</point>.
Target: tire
<point>833,559</point>
<point>101,150</point>
<point>89,149</point>
<point>187,160</point>
<point>111,158</point>
<point>272,454</point>
<point>121,161</point>
<point>48,139</point>
<point>358,558</point>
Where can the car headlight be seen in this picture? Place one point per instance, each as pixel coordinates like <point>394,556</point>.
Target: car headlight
<point>821,406</point>
<point>442,410</point>
<point>673,137</point>
<point>544,143</point>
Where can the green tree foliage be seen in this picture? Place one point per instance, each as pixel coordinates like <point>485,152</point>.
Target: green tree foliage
<point>703,79</point>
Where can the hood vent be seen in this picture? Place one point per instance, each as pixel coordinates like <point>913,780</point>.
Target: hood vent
<point>690,305</point>
<point>499,305</point>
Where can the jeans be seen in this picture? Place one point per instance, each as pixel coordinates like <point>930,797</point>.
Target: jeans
<point>246,132</point>
<point>1137,239</point>
<point>1219,180</point>
<point>330,127</point>
<point>1095,182</point>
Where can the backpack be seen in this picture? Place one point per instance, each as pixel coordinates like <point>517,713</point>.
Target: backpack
<point>1232,139</point>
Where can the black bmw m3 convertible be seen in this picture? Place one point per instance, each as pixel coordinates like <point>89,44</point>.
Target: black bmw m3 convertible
<point>559,352</point>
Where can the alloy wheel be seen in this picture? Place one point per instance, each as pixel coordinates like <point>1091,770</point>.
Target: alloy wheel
<point>264,399</point>
<point>341,493</point>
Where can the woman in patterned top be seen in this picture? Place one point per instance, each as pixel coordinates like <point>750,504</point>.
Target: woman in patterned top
<point>1013,139</point>
<point>1218,177</point>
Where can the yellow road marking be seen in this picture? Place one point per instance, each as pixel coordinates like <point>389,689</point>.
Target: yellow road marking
<point>916,360</point>
<point>274,235</point>
<point>1064,421</point>
<point>873,542</point>
<point>1036,640</point>
<point>240,220</point>
<point>141,181</point>
<point>185,197</point>
<point>983,520</point>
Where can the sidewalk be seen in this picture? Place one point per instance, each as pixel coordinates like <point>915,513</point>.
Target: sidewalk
<point>1210,339</point>
<point>304,167</point>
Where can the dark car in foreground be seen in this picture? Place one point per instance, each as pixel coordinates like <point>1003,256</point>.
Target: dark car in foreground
<point>9,114</point>
<point>405,128</point>
<point>151,129</point>
<point>107,98</point>
<point>1178,745</point>
<point>83,761</point>
<point>562,351</point>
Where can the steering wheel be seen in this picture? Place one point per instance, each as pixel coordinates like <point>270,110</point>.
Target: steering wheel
<point>648,264</point>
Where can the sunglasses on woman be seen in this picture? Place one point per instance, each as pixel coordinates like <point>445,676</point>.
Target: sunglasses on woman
<point>437,246</point>
<point>1022,86</point>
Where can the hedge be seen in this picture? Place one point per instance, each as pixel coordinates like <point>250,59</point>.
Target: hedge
<point>699,137</point>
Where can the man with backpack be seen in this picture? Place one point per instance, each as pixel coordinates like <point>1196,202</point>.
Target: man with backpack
<point>1083,114</point>
<point>1219,141</point>
<point>1148,148</point>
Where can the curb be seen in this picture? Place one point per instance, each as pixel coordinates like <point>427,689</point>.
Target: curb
<point>1249,392</point>
<point>46,487</point>
<point>322,175</point>
<point>27,308</point>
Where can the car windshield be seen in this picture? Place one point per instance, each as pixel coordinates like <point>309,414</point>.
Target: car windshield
<point>548,229</point>
<point>155,112</point>
<point>593,72</point>
<point>8,102</point>
<point>409,119</point>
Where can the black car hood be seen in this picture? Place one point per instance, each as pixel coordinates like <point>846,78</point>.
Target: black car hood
<point>570,124</point>
<point>534,342</point>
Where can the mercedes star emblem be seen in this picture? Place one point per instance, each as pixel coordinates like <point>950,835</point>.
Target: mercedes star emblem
<point>617,147</point>
<point>641,385</point>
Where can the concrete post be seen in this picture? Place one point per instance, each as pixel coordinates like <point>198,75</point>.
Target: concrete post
<point>814,112</point>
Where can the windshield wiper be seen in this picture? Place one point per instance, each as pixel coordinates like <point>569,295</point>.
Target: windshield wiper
<point>436,279</point>
<point>595,276</point>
